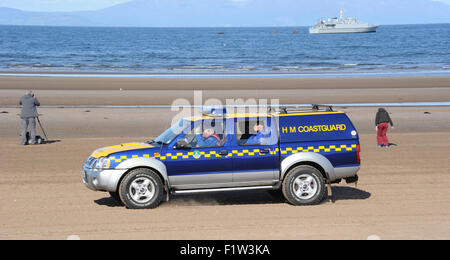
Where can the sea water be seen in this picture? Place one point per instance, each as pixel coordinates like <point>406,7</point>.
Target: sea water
<point>393,50</point>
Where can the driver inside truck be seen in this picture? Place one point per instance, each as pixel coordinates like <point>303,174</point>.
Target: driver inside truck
<point>209,138</point>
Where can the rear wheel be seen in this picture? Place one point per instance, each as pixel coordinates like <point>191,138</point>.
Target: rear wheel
<point>304,185</point>
<point>141,189</point>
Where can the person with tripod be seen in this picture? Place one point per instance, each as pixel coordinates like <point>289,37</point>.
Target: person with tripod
<point>29,102</point>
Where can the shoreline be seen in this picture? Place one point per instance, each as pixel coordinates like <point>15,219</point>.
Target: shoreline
<point>223,75</point>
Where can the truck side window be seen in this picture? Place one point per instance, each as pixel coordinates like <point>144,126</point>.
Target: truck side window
<point>252,132</point>
<point>207,133</point>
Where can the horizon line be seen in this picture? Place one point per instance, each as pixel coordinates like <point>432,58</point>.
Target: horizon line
<point>198,27</point>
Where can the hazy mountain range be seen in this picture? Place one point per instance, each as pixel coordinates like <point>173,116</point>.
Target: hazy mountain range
<point>218,13</point>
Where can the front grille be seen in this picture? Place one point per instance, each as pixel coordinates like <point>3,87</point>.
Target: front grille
<point>90,162</point>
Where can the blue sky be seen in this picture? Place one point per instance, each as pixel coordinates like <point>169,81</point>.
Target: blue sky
<point>78,5</point>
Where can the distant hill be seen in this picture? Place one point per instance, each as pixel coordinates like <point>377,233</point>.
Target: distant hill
<point>207,13</point>
<point>9,16</point>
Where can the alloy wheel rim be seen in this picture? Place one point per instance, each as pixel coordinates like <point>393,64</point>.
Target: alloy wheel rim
<point>305,186</point>
<point>142,190</point>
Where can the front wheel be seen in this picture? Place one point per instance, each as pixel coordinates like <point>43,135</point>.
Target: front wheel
<point>304,185</point>
<point>141,189</point>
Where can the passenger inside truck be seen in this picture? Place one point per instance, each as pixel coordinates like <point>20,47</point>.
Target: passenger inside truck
<point>252,132</point>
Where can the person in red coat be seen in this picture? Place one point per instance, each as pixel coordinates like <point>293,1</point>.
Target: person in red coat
<point>382,122</point>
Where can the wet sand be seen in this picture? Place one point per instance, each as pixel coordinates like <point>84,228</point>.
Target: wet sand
<point>402,194</point>
<point>106,91</point>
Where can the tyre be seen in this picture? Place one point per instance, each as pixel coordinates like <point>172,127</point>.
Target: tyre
<point>141,189</point>
<point>304,185</point>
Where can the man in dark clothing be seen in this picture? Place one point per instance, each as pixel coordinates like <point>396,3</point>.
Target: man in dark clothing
<point>28,115</point>
<point>382,122</point>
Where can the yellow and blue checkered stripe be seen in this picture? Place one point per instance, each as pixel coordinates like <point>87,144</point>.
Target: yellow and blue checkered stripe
<point>191,155</point>
<point>238,153</point>
<point>319,149</point>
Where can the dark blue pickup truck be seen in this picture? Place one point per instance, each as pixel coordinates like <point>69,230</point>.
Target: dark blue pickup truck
<point>296,152</point>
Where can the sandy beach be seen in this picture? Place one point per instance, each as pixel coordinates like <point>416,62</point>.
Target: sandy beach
<point>402,194</point>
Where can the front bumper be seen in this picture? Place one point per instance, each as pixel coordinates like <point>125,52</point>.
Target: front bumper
<point>101,180</point>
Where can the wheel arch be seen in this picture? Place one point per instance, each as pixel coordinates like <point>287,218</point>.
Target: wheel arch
<point>315,160</point>
<point>144,163</point>
<point>308,163</point>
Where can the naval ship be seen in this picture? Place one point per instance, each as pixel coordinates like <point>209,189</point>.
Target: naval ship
<point>342,25</point>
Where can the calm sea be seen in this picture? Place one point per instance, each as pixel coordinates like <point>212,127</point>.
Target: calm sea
<point>392,50</point>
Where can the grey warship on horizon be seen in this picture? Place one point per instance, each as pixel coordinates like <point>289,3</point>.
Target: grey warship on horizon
<point>342,25</point>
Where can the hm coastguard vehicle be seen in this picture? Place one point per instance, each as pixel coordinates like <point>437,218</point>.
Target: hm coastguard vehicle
<point>297,152</point>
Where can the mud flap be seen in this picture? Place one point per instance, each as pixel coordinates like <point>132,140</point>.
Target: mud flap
<point>330,193</point>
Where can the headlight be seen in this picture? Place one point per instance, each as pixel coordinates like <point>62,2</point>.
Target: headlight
<point>102,163</point>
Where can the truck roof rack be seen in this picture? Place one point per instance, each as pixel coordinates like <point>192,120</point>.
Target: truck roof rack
<point>302,109</point>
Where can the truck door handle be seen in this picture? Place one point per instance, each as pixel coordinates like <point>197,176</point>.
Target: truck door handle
<point>224,152</point>
<point>265,151</point>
